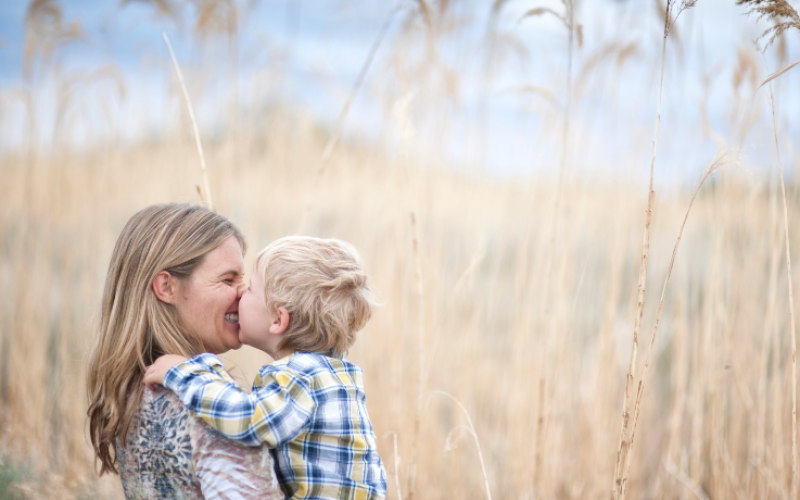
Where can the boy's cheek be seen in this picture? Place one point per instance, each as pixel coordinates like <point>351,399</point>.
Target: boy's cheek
<point>243,328</point>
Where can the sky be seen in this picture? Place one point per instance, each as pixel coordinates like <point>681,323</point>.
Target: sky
<point>117,81</point>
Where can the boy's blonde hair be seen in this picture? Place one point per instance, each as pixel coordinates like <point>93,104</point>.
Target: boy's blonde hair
<point>323,286</point>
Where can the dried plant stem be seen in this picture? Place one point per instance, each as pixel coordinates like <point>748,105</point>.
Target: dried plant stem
<point>449,313</point>
<point>791,299</point>
<point>562,159</point>
<point>412,470</point>
<point>685,480</point>
<point>626,434</point>
<point>540,421</point>
<point>565,127</point>
<point>333,140</point>
<point>769,328</point>
<point>194,124</point>
<point>401,112</point>
<point>537,477</point>
<point>396,464</point>
<point>474,436</point>
<point>716,164</point>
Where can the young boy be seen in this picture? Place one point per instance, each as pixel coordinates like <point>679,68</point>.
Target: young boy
<point>307,299</point>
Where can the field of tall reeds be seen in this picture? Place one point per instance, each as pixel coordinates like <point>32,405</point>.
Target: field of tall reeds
<point>500,364</point>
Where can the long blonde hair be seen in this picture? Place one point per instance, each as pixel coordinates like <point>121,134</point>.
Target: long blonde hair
<point>135,327</point>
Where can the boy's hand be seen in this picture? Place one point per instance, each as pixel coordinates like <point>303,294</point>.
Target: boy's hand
<point>155,373</point>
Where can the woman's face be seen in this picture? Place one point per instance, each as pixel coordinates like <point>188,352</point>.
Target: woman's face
<point>208,300</point>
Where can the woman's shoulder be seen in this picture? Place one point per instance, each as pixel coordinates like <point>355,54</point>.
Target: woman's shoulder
<point>172,454</point>
<point>156,460</point>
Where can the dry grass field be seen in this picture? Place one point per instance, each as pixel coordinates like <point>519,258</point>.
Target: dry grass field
<point>509,308</point>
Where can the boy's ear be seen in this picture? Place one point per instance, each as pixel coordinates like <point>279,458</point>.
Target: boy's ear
<point>165,287</point>
<point>280,323</point>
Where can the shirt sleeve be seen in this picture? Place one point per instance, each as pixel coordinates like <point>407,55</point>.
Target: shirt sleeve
<point>278,410</point>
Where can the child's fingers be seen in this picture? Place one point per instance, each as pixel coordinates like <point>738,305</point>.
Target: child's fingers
<point>149,377</point>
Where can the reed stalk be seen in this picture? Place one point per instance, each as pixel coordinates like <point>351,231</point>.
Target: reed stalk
<point>333,140</point>
<point>712,167</point>
<point>406,132</point>
<point>471,429</point>
<point>792,333</point>
<point>412,470</point>
<point>625,439</point>
<point>396,458</point>
<point>760,433</point>
<point>206,186</point>
<point>568,19</point>
<point>626,434</point>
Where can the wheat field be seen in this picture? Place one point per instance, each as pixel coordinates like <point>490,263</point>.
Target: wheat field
<point>497,363</point>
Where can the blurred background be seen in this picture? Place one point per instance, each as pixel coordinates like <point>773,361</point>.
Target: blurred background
<point>510,139</point>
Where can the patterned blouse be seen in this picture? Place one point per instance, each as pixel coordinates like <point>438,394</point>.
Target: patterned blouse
<point>170,454</point>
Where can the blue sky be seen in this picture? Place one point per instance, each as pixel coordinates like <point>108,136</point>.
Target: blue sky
<point>307,54</point>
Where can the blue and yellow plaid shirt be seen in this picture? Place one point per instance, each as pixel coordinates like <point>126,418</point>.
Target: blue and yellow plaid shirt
<point>310,408</point>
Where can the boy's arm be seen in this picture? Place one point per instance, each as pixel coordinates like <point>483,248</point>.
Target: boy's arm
<point>155,373</point>
<point>277,412</point>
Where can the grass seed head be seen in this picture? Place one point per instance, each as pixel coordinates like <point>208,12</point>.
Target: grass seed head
<point>780,12</point>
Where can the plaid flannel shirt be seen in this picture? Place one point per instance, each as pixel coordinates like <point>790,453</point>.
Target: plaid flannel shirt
<point>310,408</point>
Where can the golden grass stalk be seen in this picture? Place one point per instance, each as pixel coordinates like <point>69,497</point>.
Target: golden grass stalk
<point>769,326</point>
<point>451,441</point>
<point>791,294</point>
<point>333,140</point>
<point>618,488</point>
<point>449,311</point>
<point>569,22</point>
<point>568,19</point>
<point>626,433</point>
<point>765,82</point>
<point>685,480</point>
<point>396,463</point>
<point>785,18</point>
<point>194,124</point>
<point>406,131</point>
<point>715,165</point>
<point>537,457</point>
<point>412,470</point>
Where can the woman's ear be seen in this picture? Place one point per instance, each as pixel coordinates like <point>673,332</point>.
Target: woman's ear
<point>280,323</point>
<point>165,287</point>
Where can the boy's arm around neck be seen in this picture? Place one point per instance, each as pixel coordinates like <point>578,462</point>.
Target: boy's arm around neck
<point>278,410</point>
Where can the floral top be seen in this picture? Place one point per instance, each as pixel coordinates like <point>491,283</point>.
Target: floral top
<point>170,454</point>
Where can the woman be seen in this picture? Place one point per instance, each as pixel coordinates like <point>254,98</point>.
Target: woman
<point>173,287</point>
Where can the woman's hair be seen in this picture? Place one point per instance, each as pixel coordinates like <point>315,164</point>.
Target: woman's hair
<point>135,326</point>
<point>323,286</point>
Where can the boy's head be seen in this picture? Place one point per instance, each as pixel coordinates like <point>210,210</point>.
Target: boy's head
<point>307,294</point>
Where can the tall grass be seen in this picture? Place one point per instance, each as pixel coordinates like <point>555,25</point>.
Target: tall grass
<point>477,294</point>
<point>457,217</point>
<point>631,400</point>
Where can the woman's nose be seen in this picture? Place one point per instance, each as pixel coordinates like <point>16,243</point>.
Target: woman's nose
<point>240,290</point>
